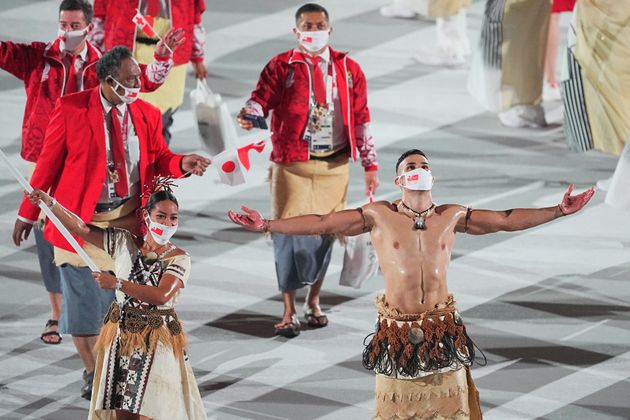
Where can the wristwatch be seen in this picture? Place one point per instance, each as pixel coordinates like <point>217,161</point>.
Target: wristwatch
<point>119,284</point>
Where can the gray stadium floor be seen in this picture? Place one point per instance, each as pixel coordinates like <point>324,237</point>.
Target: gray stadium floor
<point>549,307</point>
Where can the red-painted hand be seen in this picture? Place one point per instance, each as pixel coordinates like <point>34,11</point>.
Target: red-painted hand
<point>250,220</point>
<point>574,203</point>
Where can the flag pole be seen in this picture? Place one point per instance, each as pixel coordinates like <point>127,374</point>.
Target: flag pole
<point>51,216</point>
<point>156,34</point>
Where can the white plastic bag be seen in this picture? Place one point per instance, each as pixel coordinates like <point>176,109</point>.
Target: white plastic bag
<point>359,261</point>
<point>217,128</point>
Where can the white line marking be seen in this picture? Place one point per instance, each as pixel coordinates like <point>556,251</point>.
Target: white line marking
<point>575,334</point>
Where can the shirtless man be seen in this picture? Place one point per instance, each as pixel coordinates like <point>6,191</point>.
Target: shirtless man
<point>420,349</point>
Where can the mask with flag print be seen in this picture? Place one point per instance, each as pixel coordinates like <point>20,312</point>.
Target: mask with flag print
<point>72,39</point>
<point>313,41</point>
<point>161,233</point>
<point>130,95</point>
<point>417,180</point>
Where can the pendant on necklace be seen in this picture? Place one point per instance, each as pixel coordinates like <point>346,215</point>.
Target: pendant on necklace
<point>150,257</point>
<point>419,223</point>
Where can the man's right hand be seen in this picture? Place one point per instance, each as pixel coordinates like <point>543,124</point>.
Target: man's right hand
<point>245,124</point>
<point>21,230</point>
<point>249,219</point>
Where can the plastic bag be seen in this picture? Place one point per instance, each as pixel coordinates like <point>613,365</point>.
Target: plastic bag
<point>359,261</point>
<point>217,129</point>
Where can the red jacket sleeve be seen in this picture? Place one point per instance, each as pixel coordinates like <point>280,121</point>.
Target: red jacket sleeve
<point>167,163</point>
<point>154,74</point>
<point>50,161</point>
<point>200,7</point>
<point>100,8</point>
<point>268,89</point>
<point>363,137</point>
<point>359,90</point>
<point>18,59</point>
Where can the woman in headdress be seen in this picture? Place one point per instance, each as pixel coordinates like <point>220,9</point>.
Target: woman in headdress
<point>142,370</point>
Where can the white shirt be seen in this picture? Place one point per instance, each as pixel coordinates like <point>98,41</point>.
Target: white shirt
<point>132,153</point>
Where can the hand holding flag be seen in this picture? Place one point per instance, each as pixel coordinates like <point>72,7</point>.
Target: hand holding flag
<point>145,24</point>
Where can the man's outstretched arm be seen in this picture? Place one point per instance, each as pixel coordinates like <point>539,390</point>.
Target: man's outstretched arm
<point>480,222</point>
<point>346,222</point>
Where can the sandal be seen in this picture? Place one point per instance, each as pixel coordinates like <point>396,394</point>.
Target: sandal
<point>315,321</point>
<point>51,323</point>
<point>289,329</point>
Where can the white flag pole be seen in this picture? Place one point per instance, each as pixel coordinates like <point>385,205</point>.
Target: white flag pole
<point>156,34</point>
<point>18,176</point>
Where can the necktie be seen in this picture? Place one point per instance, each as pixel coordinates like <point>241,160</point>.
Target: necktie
<point>71,81</point>
<point>118,153</point>
<point>319,89</point>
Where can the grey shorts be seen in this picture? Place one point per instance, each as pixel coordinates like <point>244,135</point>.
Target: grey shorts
<point>45,254</point>
<point>301,260</point>
<point>84,303</point>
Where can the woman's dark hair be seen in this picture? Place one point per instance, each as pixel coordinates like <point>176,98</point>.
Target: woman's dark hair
<point>158,197</point>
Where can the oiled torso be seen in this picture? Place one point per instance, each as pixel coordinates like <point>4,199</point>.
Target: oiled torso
<point>414,261</point>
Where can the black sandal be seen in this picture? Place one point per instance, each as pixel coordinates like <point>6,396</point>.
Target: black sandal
<point>315,321</point>
<point>51,323</point>
<point>290,330</point>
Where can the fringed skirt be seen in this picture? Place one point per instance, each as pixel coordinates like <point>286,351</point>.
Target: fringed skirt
<point>421,362</point>
<point>142,367</point>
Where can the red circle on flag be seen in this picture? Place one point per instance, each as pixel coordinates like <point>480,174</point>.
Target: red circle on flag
<point>228,166</point>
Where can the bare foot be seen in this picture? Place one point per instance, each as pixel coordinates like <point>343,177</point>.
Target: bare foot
<point>50,335</point>
<point>286,320</point>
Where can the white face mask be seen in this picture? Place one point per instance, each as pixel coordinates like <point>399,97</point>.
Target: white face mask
<point>130,95</point>
<point>72,39</point>
<point>314,41</point>
<point>417,180</point>
<point>161,233</point>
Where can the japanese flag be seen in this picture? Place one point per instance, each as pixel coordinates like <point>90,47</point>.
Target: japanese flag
<point>232,164</point>
<point>144,23</point>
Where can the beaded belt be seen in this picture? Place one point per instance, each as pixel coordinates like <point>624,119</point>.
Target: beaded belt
<point>136,320</point>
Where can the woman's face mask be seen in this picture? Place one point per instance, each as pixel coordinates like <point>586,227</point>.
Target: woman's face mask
<point>417,180</point>
<point>130,95</point>
<point>313,41</point>
<point>161,233</point>
<point>72,39</point>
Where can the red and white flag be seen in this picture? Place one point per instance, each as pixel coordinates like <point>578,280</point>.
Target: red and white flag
<point>232,164</point>
<point>243,152</point>
<point>144,23</point>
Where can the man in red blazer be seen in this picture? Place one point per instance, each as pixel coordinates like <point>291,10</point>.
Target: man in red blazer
<point>102,147</point>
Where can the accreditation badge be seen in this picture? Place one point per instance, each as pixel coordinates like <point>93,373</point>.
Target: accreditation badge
<point>319,132</point>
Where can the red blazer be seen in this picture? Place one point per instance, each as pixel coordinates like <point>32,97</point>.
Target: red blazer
<point>73,163</point>
<point>39,65</point>
<point>284,87</point>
